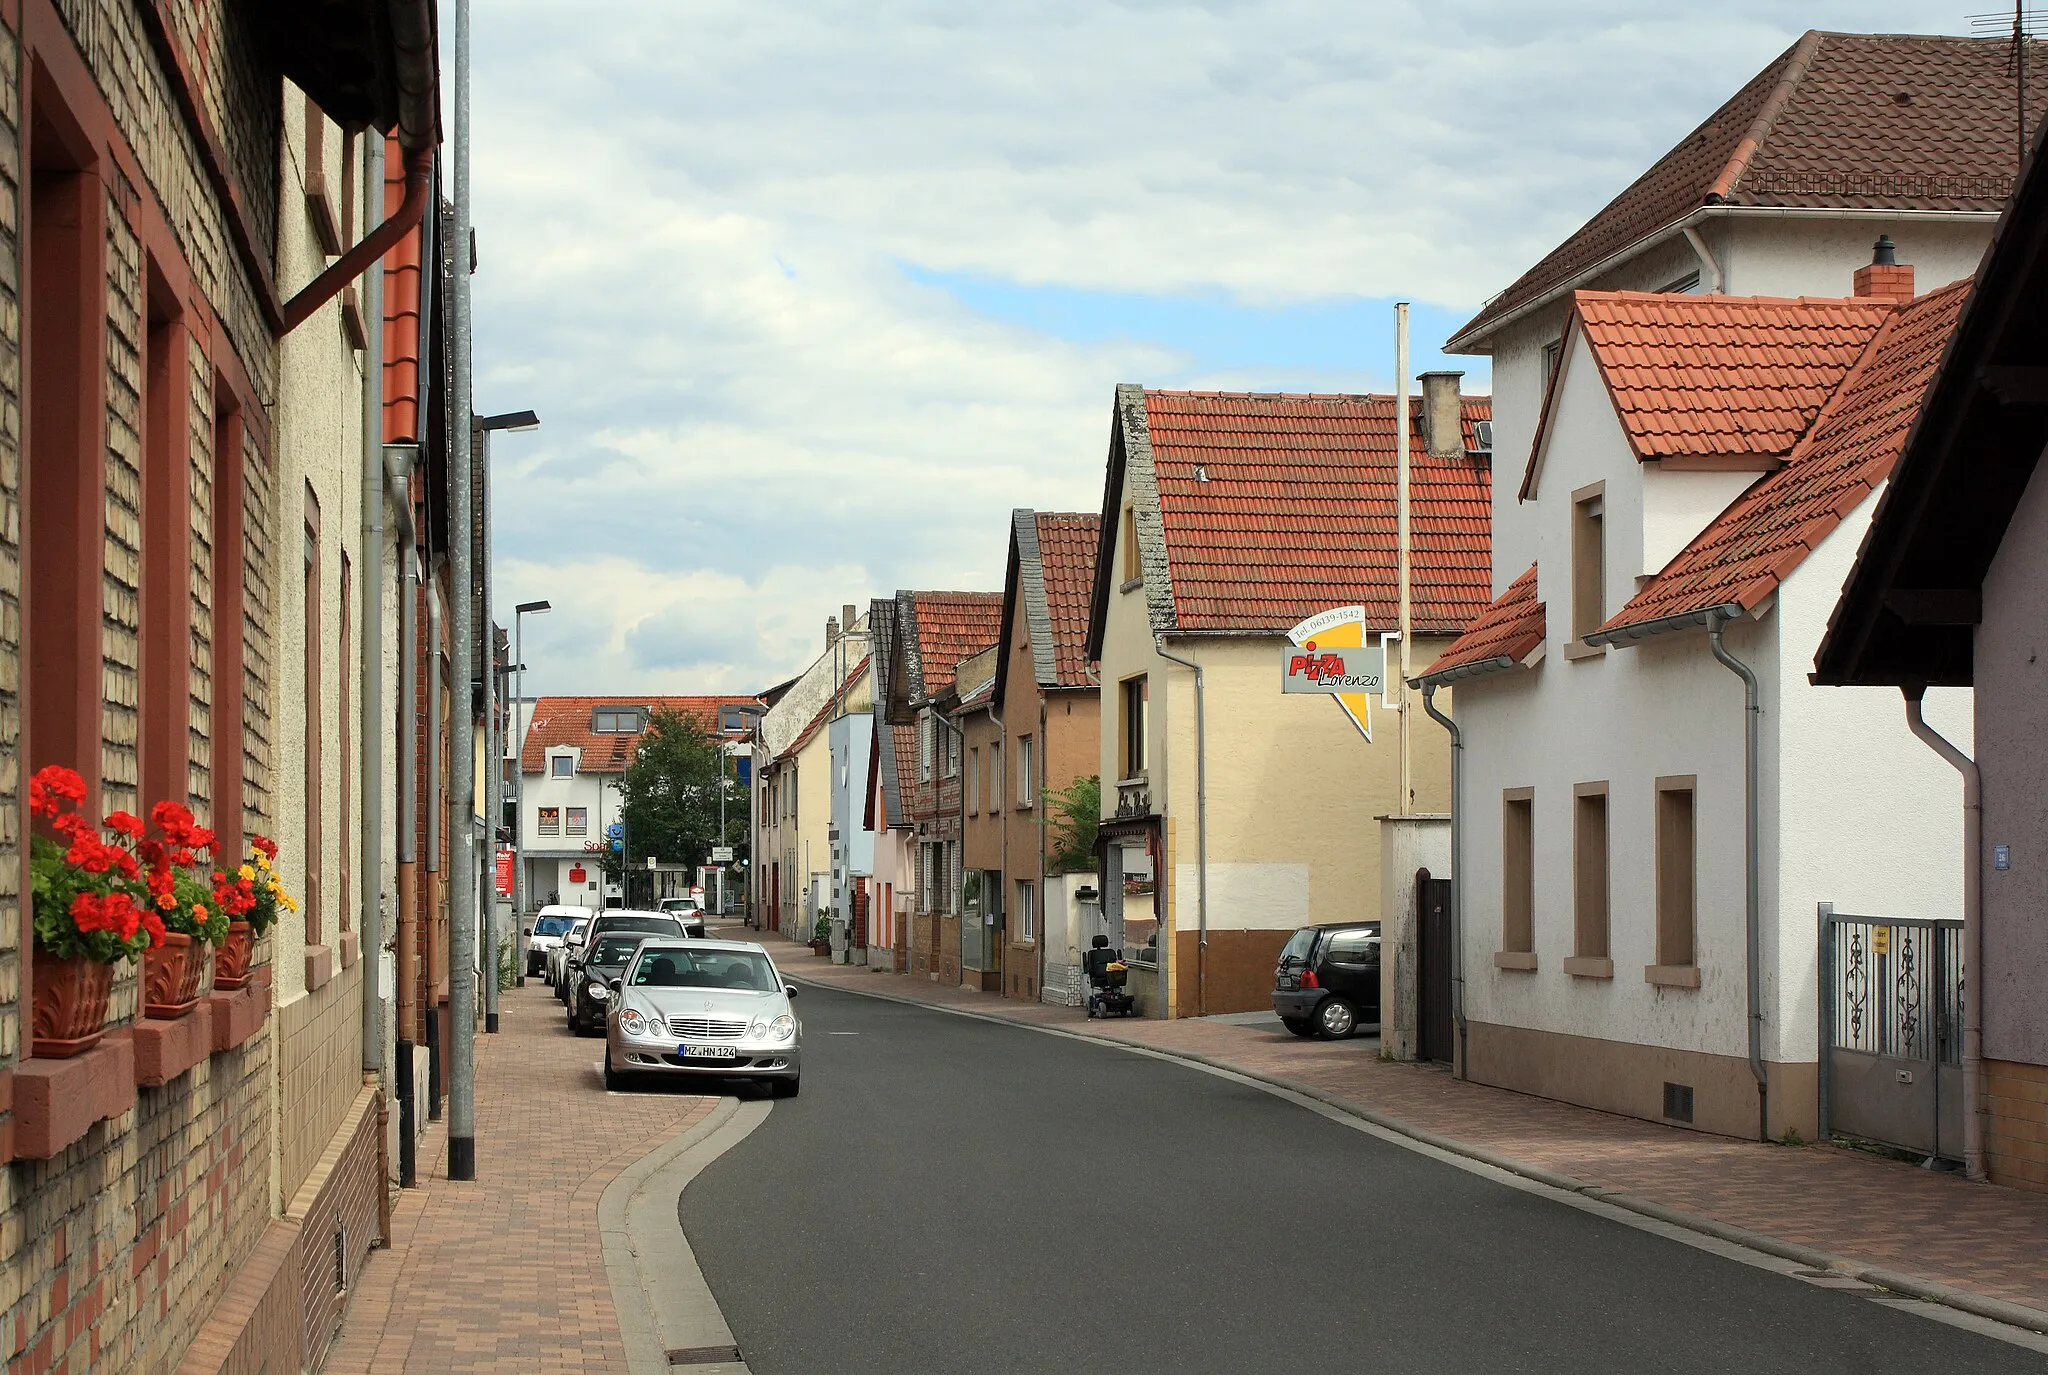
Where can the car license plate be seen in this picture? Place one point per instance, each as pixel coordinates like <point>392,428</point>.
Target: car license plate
<point>690,1052</point>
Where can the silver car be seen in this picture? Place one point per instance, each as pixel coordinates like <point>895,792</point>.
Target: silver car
<point>717,1009</point>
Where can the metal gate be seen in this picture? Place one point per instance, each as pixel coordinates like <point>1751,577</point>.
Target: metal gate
<point>1891,1030</point>
<point>1433,967</point>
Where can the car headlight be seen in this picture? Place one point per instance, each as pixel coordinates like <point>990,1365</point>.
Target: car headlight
<point>783,1027</point>
<point>758,1029</point>
<point>632,1023</point>
<point>597,989</point>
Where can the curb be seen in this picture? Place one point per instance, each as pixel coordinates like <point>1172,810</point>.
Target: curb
<point>1898,1282</point>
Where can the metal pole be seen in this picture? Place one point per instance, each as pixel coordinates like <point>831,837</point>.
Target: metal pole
<point>519,798</point>
<point>461,789</point>
<point>370,727</point>
<point>494,776</point>
<point>1401,533</point>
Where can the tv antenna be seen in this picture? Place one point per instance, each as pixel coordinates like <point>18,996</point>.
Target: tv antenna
<point>2022,24</point>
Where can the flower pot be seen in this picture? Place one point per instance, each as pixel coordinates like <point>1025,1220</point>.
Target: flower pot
<point>172,975</point>
<point>821,947</point>
<point>70,1004</point>
<point>231,961</point>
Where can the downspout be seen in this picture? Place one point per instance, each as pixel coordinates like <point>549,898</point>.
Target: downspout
<point>1040,940</point>
<point>1457,868</point>
<point>370,725</point>
<point>1002,821</point>
<point>398,479</point>
<point>1710,270</point>
<point>419,174</point>
<point>1973,929</point>
<point>436,804</point>
<point>1717,619</point>
<point>1201,827</point>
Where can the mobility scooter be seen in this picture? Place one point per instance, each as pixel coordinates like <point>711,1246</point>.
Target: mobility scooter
<point>1107,977</point>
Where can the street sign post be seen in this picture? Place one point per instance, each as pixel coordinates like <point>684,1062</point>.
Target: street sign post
<point>721,854</point>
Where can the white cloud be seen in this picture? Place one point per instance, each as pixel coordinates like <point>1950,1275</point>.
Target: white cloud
<point>694,218</point>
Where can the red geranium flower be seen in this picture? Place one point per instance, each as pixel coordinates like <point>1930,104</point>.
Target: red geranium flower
<point>126,823</point>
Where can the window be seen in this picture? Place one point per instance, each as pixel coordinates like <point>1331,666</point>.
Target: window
<point>347,715</point>
<point>1025,774</point>
<point>974,782</point>
<point>316,716</point>
<point>1589,560</point>
<point>1133,695</point>
<point>550,821</point>
<point>732,719</point>
<point>1359,946</point>
<point>1681,286</point>
<point>1026,911</point>
<point>951,747</point>
<point>618,720</point>
<point>1551,353</point>
<point>1518,872</point>
<point>925,727</point>
<point>1134,567</point>
<point>1676,872</point>
<point>562,765</point>
<point>579,821</point>
<point>995,777</point>
<point>1589,882</point>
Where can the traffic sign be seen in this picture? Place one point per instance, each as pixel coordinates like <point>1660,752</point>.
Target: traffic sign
<point>721,854</point>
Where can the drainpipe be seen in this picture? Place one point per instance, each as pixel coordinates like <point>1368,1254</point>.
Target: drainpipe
<point>1717,619</point>
<point>370,700</point>
<point>398,480</point>
<point>436,802</point>
<point>1710,271</point>
<point>1457,868</point>
<point>1201,828</point>
<point>1002,820</point>
<point>1973,930</point>
<point>1042,827</point>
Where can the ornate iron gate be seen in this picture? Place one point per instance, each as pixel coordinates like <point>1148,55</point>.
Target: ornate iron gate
<point>1891,1030</point>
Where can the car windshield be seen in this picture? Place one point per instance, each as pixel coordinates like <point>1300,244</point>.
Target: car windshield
<point>665,926</point>
<point>615,949</point>
<point>550,926</point>
<point>744,971</point>
<point>1298,945</point>
<point>576,931</point>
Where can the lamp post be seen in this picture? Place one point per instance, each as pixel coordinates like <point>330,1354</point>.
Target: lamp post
<point>483,426</point>
<point>519,615</point>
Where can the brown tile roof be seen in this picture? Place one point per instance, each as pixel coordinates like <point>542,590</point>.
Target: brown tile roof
<point>559,721</point>
<point>1505,634</point>
<point>1275,507</point>
<point>853,677</point>
<point>950,627</point>
<point>904,741</point>
<point>1767,532</point>
<point>1066,551</point>
<point>1886,121</point>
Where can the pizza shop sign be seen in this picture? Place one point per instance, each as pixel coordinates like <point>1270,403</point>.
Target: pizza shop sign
<point>1311,667</point>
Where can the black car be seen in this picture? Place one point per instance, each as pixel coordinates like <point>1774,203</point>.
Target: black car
<point>1328,980</point>
<point>647,923</point>
<point>604,959</point>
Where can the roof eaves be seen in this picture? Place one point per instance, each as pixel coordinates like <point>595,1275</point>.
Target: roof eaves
<point>1551,387</point>
<point>1141,489</point>
<point>1626,636</point>
<point>1480,668</point>
<point>1031,583</point>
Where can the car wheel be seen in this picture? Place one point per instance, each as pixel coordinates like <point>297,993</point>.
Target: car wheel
<point>782,1088</point>
<point>1298,1026</point>
<point>613,1080</point>
<point>1336,1019</point>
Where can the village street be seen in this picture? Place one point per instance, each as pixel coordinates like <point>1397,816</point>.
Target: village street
<point>945,1185</point>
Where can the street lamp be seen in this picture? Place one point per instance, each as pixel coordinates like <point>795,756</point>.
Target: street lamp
<point>519,615</point>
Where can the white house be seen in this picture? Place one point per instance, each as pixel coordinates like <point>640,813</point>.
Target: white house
<point>571,761</point>
<point>1702,472</point>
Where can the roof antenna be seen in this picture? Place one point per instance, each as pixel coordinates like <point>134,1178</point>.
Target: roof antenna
<point>2022,36</point>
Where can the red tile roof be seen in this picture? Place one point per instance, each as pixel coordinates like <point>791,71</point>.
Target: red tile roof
<point>1509,630</point>
<point>1893,121</point>
<point>853,677</point>
<point>950,627</point>
<point>1723,375</point>
<point>1066,551</point>
<point>904,739</point>
<point>557,721</point>
<point>1767,532</point>
<point>1275,507</point>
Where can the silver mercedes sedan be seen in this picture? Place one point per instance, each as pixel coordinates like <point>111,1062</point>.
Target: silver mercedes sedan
<point>717,1009</point>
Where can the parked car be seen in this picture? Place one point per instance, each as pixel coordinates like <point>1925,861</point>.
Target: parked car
<point>550,924</point>
<point>616,919</point>
<point>558,958</point>
<point>703,1008</point>
<point>589,991</point>
<point>1328,980</point>
<point>690,912</point>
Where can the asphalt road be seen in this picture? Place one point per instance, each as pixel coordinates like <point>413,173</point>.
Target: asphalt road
<point>950,1195</point>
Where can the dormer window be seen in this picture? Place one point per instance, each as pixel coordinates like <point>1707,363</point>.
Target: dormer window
<point>732,720</point>
<point>561,766</point>
<point>1589,560</point>
<point>618,720</point>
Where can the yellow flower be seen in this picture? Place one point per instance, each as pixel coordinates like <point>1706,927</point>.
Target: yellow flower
<point>263,862</point>
<point>247,874</point>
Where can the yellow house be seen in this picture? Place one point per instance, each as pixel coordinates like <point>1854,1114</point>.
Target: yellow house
<point>1231,814</point>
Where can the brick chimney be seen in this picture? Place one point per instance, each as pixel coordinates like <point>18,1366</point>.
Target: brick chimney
<point>1886,278</point>
<point>848,614</point>
<point>831,631</point>
<point>1443,414</point>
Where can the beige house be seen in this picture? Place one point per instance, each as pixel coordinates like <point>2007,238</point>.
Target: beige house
<point>1233,814</point>
<point>793,781</point>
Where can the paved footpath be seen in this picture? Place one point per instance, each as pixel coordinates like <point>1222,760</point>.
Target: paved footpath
<point>1920,1231</point>
<point>507,1273</point>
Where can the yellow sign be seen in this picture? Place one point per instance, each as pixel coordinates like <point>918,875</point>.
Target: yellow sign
<point>1341,627</point>
<point>1880,940</point>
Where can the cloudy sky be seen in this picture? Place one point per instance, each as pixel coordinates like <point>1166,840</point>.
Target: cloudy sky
<point>809,295</point>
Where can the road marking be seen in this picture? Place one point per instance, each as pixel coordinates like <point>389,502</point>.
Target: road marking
<point>842,1033</point>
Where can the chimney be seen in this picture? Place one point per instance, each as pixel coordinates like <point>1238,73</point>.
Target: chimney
<point>1886,279</point>
<point>1443,415</point>
<point>831,631</point>
<point>848,614</point>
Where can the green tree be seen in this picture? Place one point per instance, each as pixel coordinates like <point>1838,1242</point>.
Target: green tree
<point>1074,813</point>
<point>670,796</point>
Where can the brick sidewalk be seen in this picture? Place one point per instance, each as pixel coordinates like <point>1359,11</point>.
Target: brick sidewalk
<point>1939,1227</point>
<point>507,1274</point>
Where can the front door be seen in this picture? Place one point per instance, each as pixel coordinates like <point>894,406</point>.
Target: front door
<point>1433,971</point>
